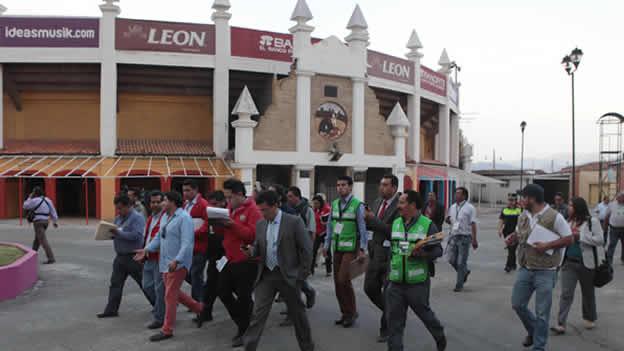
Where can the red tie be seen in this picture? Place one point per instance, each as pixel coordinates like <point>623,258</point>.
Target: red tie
<point>383,209</point>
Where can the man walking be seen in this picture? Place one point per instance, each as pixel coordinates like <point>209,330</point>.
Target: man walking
<point>615,223</point>
<point>601,213</point>
<point>507,222</point>
<point>462,217</point>
<point>135,201</point>
<point>285,252</point>
<point>434,210</point>
<point>237,277</point>
<point>152,278</point>
<point>538,264</point>
<point>560,205</point>
<point>195,205</point>
<point>379,220</point>
<point>348,239</point>
<point>175,244</point>
<point>128,238</point>
<point>41,210</point>
<point>410,269</point>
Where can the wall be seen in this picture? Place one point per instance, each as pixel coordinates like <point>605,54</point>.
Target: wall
<point>378,138</point>
<point>276,130</point>
<point>164,117</point>
<point>344,99</point>
<point>53,116</point>
<point>427,145</point>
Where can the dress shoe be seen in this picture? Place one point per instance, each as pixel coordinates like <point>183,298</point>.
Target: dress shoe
<point>107,315</point>
<point>154,325</point>
<point>383,337</point>
<point>202,318</point>
<point>349,321</point>
<point>507,269</point>
<point>458,289</point>
<point>339,321</point>
<point>310,299</point>
<point>466,276</point>
<point>49,262</point>
<point>441,344</point>
<point>558,329</point>
<point>160,337</point>
<point>528,341</point>
<point>589,325</point>
<point>238,341</point>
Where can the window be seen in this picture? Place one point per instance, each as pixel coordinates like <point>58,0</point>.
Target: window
<point>331,91</point>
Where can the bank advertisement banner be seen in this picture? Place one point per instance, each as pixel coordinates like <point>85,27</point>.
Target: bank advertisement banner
<point>390,68</point>
<point>261,44</point>
<point>432,81</point>
<point>50,32</point>
<point>164,36</point>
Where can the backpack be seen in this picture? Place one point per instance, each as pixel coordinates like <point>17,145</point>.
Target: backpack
<point>604,272</point>
<point>30,214</point>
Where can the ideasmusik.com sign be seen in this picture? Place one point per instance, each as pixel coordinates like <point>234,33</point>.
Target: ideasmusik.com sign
<point>49,32</point>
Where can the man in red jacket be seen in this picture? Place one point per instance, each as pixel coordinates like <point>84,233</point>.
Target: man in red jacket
<point>196,205</point>
<point>238,275</point>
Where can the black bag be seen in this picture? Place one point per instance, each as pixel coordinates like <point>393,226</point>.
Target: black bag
<point>603,272</point>
<point>30,214</point>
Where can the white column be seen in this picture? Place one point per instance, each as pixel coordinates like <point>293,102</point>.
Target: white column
<point>108,83</point>
<point>455,140</point>
<point>221,76</point>
<point>246,172</point>
<point>445,133</point>
<point>244,125</point>
<point>359,182</point>
<point>301,32</point>
<point>413,100</point>
<point>302,179</point>
<point>357,122</point>
<point>304,87</point>
<point>399,125</point>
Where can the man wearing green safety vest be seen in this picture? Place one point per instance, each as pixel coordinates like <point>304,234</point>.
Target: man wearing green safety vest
<point>347,237</point>
<point>508,220</point>
<point>410,269</point>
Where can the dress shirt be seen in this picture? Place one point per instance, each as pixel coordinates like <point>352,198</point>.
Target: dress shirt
<point>130,235</point>
<point>46,209</point>
<point>272,236</point>
<point>174,240</point>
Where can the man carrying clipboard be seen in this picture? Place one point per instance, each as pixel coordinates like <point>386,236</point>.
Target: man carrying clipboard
<point>541,234</point>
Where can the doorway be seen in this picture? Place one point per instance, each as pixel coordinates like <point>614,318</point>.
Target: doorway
<point>269,175</point>
<point>71,197</point>
<point>325,179</point>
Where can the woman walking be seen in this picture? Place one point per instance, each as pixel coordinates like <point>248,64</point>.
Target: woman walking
<point>579,264</point>
<point>321,214</point>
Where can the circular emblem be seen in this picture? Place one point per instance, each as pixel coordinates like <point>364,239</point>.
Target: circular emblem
<point>333,120</point>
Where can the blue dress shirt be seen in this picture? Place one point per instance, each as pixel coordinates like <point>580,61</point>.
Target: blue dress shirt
<point>175,240</point>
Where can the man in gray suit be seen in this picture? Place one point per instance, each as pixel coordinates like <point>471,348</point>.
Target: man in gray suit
<point>284,250</point>
<point>379,220</point>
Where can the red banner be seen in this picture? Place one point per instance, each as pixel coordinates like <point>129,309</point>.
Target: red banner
<point>164,36</point>
<point>390,68</point>
<point>432,81</point>
<point>262,44</point>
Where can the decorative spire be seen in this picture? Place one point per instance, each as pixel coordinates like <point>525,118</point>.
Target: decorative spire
<point>397,118</point>
<point>245,105</point>
<point>109,6</point>
<point>221,8</point>
<point>222,5</point>
<point>301,12</point>
<point>414,42</point>
<point>444,59</point>
<point>2,9</point>
<point>357,20</point>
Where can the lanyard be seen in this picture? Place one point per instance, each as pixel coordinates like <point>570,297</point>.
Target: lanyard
<point>407,228</point>
<point>341,210</point>
<point>164,231</point>
<point>459,208</point>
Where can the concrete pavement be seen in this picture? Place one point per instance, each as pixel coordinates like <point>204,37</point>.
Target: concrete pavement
<point>58,314</point>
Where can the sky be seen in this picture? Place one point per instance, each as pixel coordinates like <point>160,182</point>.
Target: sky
<point>509,52</point>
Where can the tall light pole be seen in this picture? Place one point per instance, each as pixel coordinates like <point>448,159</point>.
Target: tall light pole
<point>570,65</point>
<point>522,127</point>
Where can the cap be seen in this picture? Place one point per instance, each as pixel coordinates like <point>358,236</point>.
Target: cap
<point>535,191</point>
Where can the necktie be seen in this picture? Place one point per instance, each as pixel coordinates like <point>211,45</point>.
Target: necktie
<point>271,260</point>
<point>383,209</point>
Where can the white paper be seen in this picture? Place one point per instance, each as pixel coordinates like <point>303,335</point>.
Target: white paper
<point>102,232</point>
<point>217,213</point>
<point>387,243</point>
<point>197,223</point>
<point>221,263</point>
<point>543,235</point>
<point>370,235</point>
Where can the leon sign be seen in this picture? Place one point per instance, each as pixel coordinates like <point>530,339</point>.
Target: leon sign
<point>164,36</point>
<point>390,67</point>
<point>432,81</point>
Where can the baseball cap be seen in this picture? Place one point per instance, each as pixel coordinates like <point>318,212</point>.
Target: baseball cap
<point>535,191</point>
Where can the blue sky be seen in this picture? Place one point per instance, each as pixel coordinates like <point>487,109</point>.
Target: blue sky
<point>509,51</point>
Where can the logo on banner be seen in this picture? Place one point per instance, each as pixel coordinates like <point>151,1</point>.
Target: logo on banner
<point>182,38</point>
<point>278,45</point>
<point>397,70</point>
<point>333,120</point>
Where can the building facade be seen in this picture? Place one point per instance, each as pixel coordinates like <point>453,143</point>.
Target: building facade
<point>90,105</point>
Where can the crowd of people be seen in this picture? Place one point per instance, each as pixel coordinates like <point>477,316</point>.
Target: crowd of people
<point>267,247</point>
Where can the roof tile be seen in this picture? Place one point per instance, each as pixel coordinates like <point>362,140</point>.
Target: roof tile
<point>163,147</point>
<point>51,147</point>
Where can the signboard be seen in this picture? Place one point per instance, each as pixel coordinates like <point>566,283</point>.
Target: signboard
<point>432,81</point>
<point>261,44</point>
<point>390,68</point>
<point>454,93</point>
<point>50,32</point>
<point>164,36</point>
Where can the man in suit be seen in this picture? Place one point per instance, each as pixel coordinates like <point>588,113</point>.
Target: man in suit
<point>379,220</point>
<point>284,250</point>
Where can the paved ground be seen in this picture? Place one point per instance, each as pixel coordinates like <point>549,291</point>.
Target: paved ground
<point>59,313</point>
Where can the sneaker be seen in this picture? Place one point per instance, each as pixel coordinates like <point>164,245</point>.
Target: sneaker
<point>589,325</point>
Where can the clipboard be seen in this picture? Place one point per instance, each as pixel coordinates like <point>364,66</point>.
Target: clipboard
<point>102,232</point>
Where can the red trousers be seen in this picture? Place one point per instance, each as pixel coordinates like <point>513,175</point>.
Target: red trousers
<point>173,295</point>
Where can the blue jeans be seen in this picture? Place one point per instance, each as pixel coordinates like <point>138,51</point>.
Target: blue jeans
<point>458,251</point>
<point>154,287</point>
<point>542,282</point>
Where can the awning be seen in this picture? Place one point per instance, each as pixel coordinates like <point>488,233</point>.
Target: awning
<point>65,166</point>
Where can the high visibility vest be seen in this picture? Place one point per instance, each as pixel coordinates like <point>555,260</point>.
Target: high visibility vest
<point>404,268</point>
<point>344,225</point>
<point>512,211</point>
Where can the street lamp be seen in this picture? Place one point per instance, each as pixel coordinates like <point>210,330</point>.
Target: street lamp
<point>522,127</point>
<point>570,64</point>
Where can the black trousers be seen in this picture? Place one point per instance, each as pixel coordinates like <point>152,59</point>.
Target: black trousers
<point>375,281</point>
<point>238,279</point>
<point>211,288</point>
<point>318,243</point>
<point>124,266</point>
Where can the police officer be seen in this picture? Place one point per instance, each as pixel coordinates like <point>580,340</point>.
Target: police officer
<point>508,220</point>
<point>410,269</point>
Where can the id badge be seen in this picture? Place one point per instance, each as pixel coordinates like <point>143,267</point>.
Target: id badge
<point>455,226</point>
<point>370,235</point>
<point>338,228</point>
<point>404,247</point>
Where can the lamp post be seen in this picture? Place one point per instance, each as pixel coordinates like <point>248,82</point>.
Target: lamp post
<point>522,127</point>
<point>570,65</point>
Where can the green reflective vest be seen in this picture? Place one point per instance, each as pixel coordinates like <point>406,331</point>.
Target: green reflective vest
<point>344,225</point>
<point>404,268</point>
<point>512,211</point>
